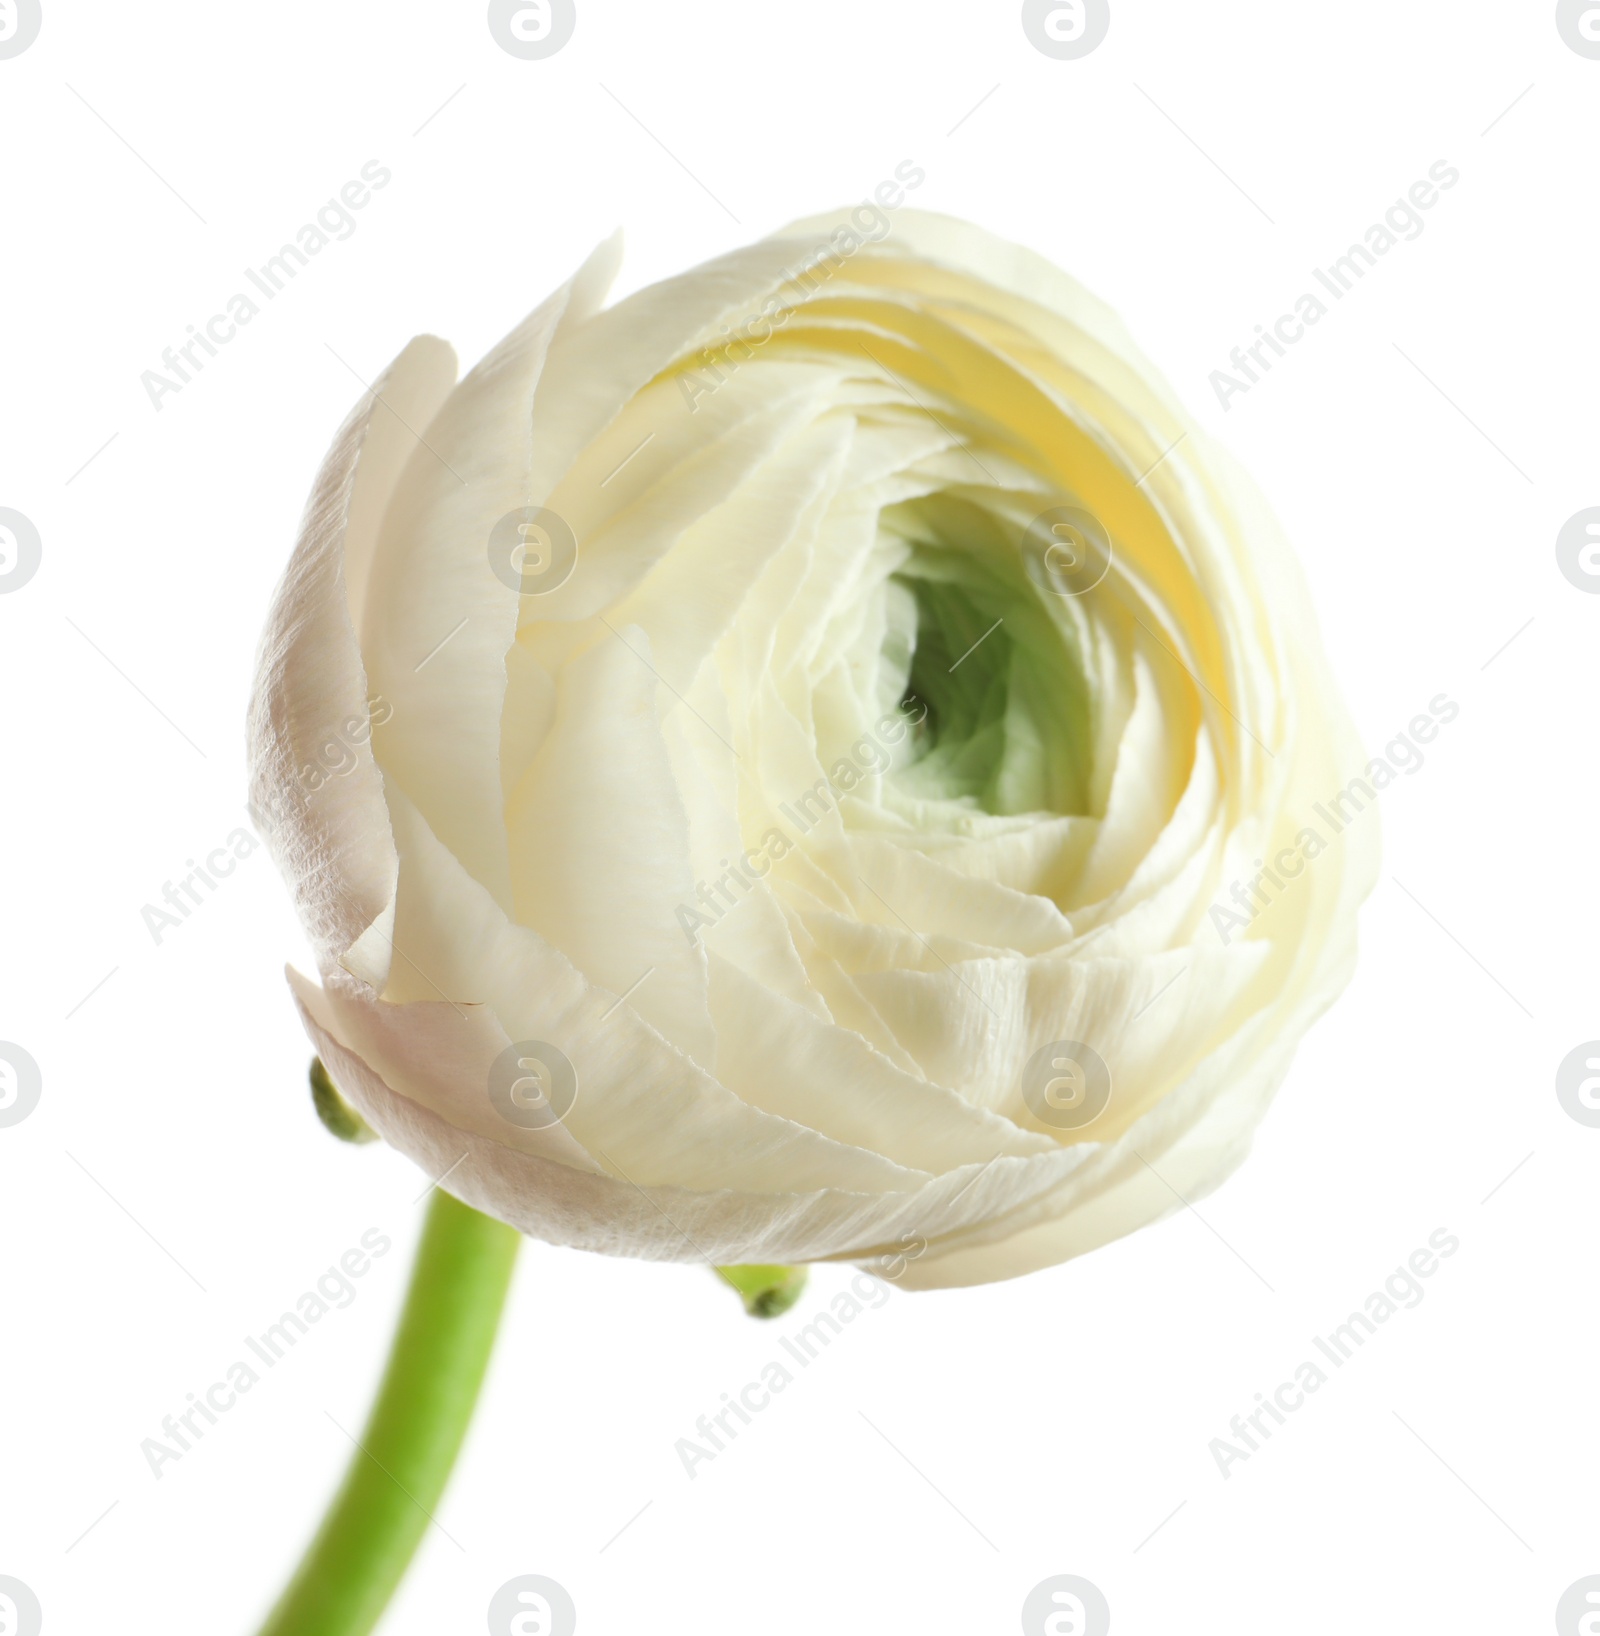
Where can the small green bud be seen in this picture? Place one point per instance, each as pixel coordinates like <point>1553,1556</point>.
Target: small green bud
<point>334,1111</point>
<point>768,1292</point>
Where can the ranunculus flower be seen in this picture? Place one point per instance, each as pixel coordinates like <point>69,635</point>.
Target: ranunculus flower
<point>818,760</point>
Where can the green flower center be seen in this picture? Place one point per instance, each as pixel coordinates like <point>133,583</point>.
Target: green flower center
<point>995,658</point>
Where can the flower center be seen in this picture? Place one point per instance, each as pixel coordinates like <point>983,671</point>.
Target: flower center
<point>999,669</point>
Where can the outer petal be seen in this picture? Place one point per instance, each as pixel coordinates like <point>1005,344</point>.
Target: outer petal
<point>562,1204</point>
<point>330,836</point>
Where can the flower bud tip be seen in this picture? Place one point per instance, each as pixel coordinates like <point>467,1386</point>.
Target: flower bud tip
<point>768,1292</point>
<point>334,1111</point>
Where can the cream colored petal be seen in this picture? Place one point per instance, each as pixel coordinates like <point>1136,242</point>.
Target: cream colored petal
<point>1179,1152</point>
<point>600,842</point>
<point>439,620</point>
<point>780,1057</point>
<point>622,1215</point>
<point>644,1109</point>
<point>330,835</point>
<point>436,1053</point>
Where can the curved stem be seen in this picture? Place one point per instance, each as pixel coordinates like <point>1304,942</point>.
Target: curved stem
<point>403,1459</point>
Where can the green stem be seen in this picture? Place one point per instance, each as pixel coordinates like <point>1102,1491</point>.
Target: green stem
<point>436,1366</point>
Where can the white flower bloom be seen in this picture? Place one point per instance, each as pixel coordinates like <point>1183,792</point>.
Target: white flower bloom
<point>849,746</point>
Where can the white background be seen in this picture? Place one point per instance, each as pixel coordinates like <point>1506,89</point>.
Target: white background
<point>173,1191</point>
